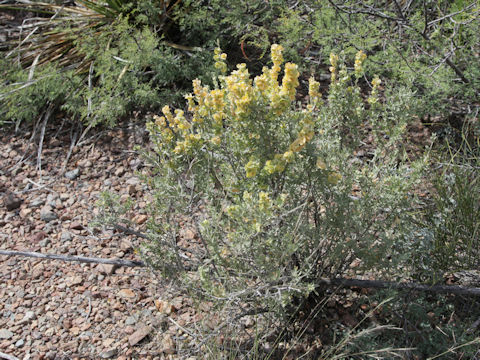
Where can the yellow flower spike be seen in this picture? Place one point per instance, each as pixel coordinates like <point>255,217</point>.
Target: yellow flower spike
<point>334,177</point>
<point>261,83</point>
<point>289,156</point>
<point>276,53</point>
<point>333,60</point>
<point>218,117</point>
<point>321,164</point>
<point>290,81</point>
<point>297,145</point>
<point>359,59</point>
<point>252,167</point>
<point>376,81</point>
<point>160,121</point>
<point>263,200</point>
<point>313,90</point>
<point>269,167</point>
<point>216,140</point>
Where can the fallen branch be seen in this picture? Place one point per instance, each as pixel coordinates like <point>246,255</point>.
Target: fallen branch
<point>375,284</point>
<point>82,259</point>
<point>378,284</point>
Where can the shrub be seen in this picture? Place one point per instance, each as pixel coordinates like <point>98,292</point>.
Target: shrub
<point>274,189</point>
<point>431,47</point>
<point>111,55</point>
<point>130,69</point>
<point>26,99</point>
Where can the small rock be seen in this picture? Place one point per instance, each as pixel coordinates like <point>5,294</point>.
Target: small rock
<point>29,315</point>
<point>129,330</point>
<point>66,236</point>
<point>135,164</point>
<point>107,269</point>
<point>37,202</point>
<point>66,216</point>
<point>12,202</point>
<point>73,174</point>
<point>249,322</point>
<point>85,163</point>
<point>168,345</point>
<point>5,334</point>
<point>164,307</point>
<point>126,293</point>
<point>187,234</point>
<point>20,343</point>
<point>25,212</point>
<point>139,335</point>
<point>108,354</point>
<point>76,280</point>
<point>141,219</point>
<point>52,200</point>
<point>51,355</point>
<point>130,320</point>
<point>76,225</point>
<point>133,181</point>
<point>39,236</point>
<point>126,244</point>
<point>44,242</point>
<point>120,171</point>
<point>47,215</point>
<point>107,342</point>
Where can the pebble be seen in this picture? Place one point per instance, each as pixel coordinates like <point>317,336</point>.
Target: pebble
<point>44,243</point>
<point>47,215</point>
<point>73,174</point>
<point>5,334</point>
<point>20,343</point>
<point>139,335</point>
<point>66,236</point>
<point>130,320</point>
<point>108,354</point>
<point>37,202</point>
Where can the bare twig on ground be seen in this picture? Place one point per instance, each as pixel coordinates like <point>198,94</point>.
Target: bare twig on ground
<point>48,113</point>
<point>82,259</point>
<point>8,357</point>
<point>376,284</point>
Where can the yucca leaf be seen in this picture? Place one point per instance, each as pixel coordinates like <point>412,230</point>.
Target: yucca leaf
<point>98,8</point>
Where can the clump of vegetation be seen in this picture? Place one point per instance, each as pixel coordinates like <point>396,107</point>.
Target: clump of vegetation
<point>273,188</point>
<point>115,61</point>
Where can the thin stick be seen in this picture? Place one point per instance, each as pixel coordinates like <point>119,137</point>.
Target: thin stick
<point>42,136</point>
<point>376,284</point>
<point>82,259</point>
<point>8,357</point>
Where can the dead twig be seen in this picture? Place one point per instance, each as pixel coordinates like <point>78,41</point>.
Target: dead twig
<point>8,357</point>
<point>48,113</point>
<point>376,284</point>
<point>81,259</point>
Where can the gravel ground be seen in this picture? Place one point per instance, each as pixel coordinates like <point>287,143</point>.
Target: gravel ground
<point>59,310</point>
